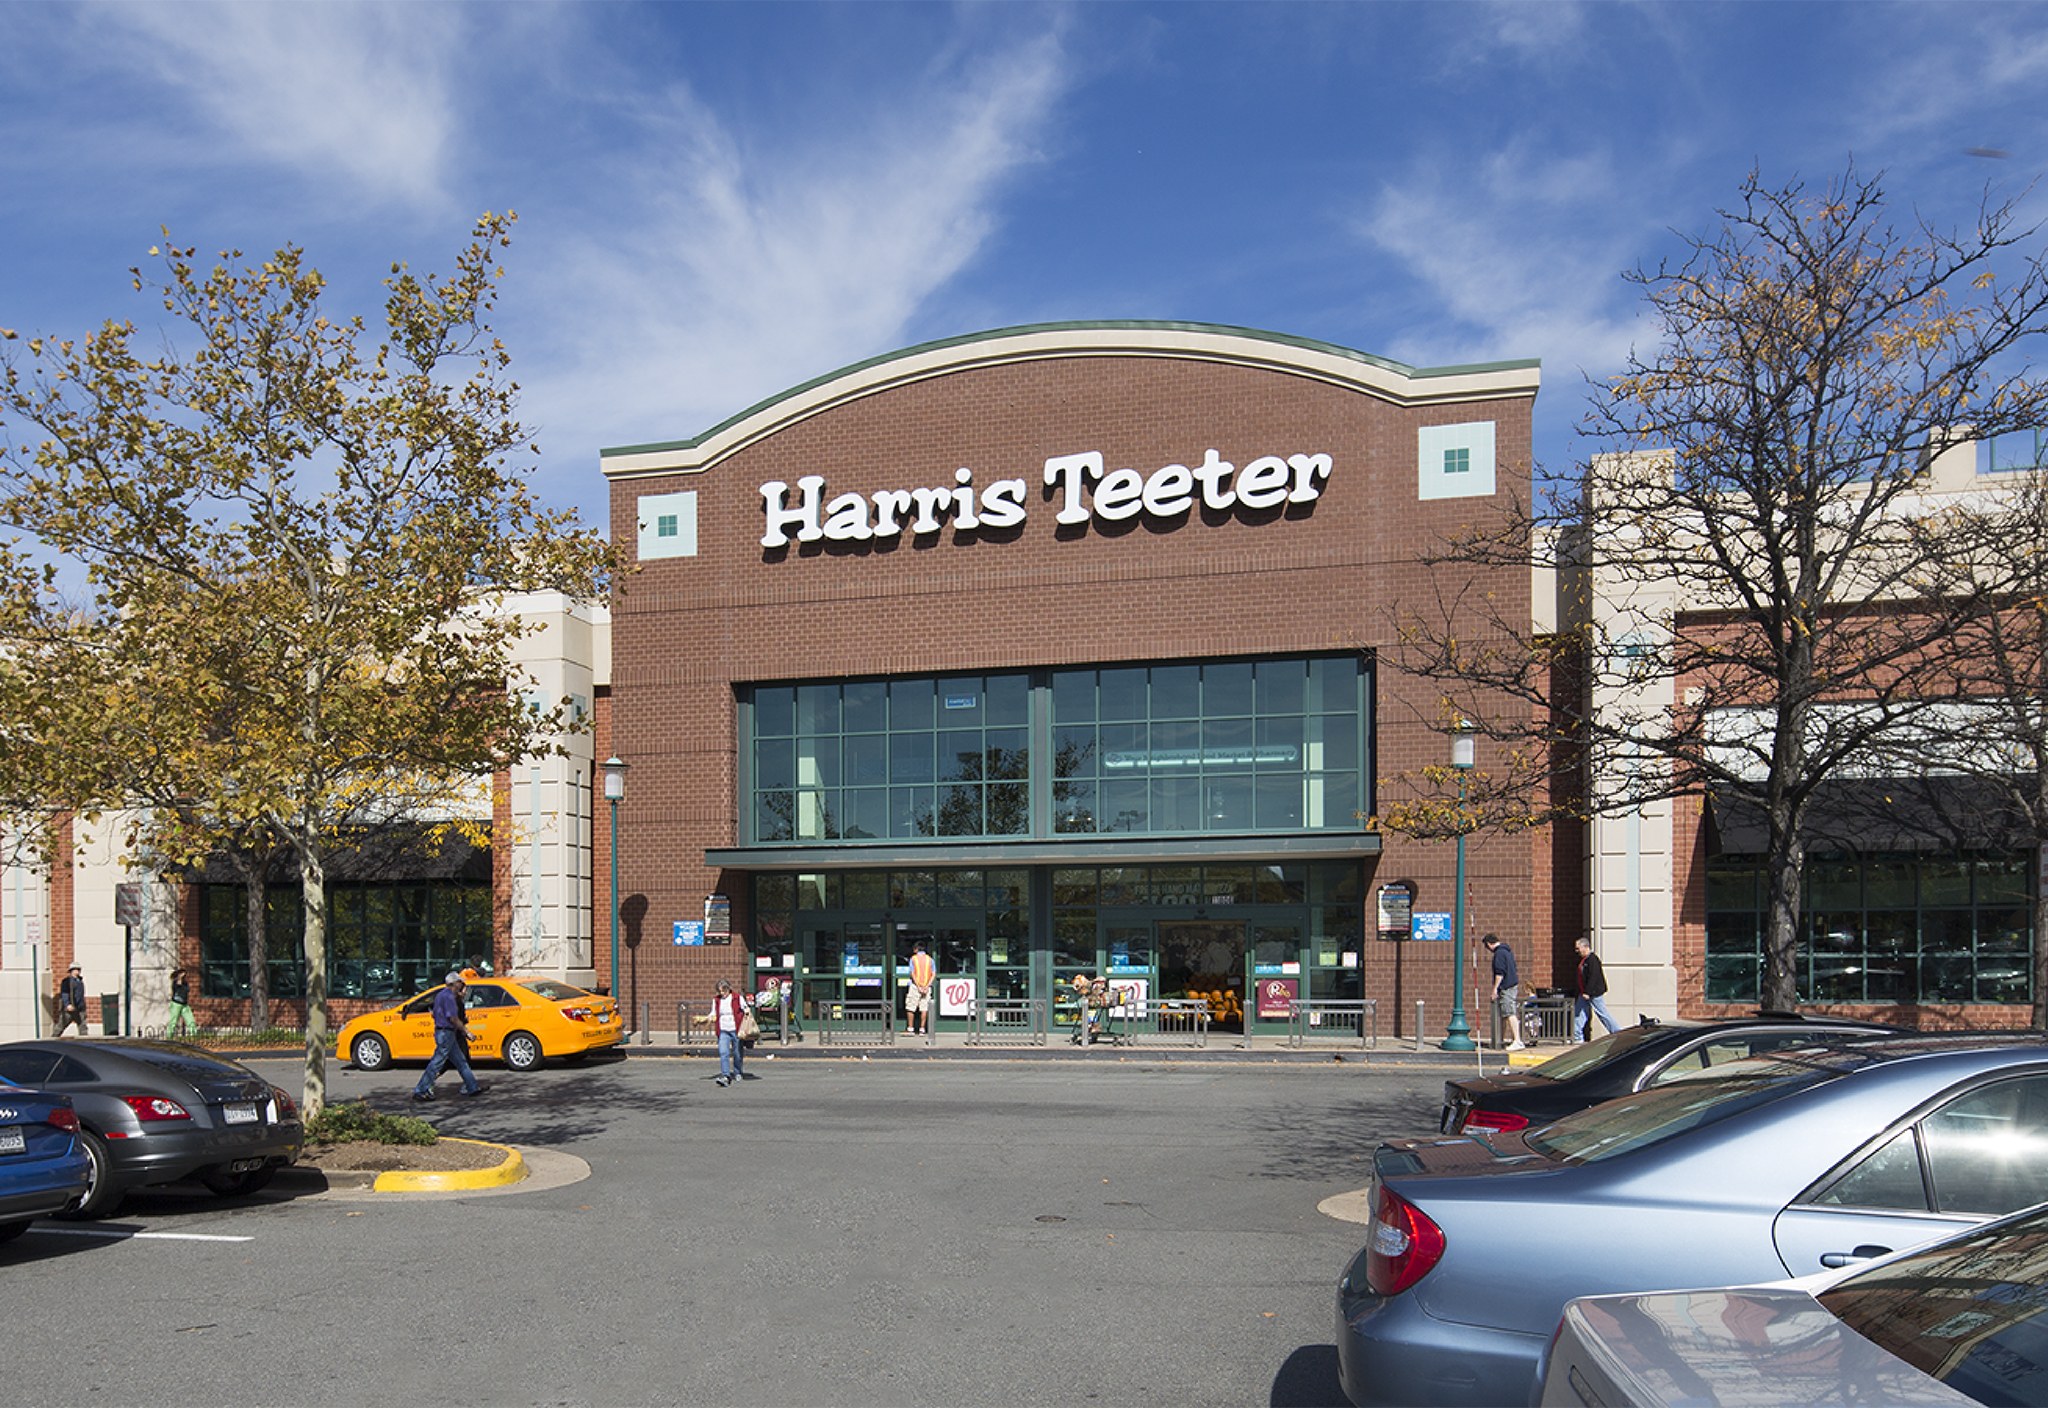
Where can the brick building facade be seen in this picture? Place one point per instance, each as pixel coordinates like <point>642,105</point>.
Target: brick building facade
<point>1112,554</point>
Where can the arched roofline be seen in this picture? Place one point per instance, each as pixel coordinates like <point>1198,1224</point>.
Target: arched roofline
<point>1295,356</point>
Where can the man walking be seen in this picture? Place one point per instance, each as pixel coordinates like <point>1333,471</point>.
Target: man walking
<point>923,974</point>
<point>1591,989</point>
<point>71,1001</point>
<point>451,1042</point>
<point>1506,988</point>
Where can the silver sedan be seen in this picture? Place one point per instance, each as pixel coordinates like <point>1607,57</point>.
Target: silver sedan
<point>1957,1323</point>
<point>1781,1165</point>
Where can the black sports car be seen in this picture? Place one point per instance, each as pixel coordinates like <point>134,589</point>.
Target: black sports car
<point>1629,1060</point>
<point>162,1111</point>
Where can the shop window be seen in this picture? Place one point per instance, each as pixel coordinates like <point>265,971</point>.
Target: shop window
<point>1881,929</point>
<point>384,941</point>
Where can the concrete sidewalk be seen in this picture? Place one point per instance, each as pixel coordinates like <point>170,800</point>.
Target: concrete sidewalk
<point>1225,1047</point>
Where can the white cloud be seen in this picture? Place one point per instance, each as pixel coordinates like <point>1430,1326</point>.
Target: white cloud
<point>1525,255</point>
<point>720,273</point>
<point>357,93</point>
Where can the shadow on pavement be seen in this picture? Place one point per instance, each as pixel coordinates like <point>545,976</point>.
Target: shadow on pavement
<point>1309,1380</point>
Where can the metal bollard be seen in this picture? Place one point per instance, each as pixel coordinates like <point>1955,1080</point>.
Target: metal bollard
<point>1418,1024</point>
<point>645,1013</point>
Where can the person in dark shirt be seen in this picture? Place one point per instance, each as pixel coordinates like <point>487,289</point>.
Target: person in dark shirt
<point>181,1005</point>
<point>1506,988</point>
<point>71,1001</point>
<point>1590,988</point>
<point>451,1042</point>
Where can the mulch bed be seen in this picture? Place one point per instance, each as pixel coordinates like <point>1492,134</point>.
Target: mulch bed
<point>362,1155</point>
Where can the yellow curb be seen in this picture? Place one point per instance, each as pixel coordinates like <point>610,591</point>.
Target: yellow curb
<point>1518,1060</point>
<point>512,1170</point>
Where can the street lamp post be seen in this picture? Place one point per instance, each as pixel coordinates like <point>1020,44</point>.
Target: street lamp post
<point>615,793</point>
<point>1458,1035</point>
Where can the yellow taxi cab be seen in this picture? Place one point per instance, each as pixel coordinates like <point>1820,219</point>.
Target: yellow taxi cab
<point>520,1021</point>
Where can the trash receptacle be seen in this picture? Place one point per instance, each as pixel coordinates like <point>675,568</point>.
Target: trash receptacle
<point>110,1014</point>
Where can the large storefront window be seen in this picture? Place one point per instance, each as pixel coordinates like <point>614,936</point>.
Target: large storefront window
<point>1235,746</point>
<point>892,758</point>
<point>1243,937</point>
<point>1268,745</point>
<point>1882,929</point>
<point>383,940</point>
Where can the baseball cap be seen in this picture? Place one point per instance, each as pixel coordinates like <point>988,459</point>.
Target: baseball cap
<point>452,977</point>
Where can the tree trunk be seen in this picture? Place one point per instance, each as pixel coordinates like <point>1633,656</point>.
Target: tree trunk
<point>313,889</point>
<point>256,897</point>
<point>1783,873</point>
<point>2041,939</point>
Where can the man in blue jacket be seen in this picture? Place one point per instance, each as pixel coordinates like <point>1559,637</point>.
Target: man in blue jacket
<point>1506,987</point>
<point>451,1042</point>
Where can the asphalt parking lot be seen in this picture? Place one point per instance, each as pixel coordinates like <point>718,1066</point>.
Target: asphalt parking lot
<point>832,1231</point>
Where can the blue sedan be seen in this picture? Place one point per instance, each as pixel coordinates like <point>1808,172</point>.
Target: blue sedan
<point>1780,1165</point>
<point>42,1168</point>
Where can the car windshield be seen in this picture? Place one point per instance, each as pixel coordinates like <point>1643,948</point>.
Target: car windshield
<point>550,989</point>
<point>1967,1312</point>
<point>1694,1099</point>
<point>1584,1057</point>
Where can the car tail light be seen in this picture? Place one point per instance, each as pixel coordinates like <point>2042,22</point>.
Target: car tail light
<point>1499,1120</point>
<point>155,1107</point>
<point>576,1014</point>
<point>1405,1244</point>
<point>63,1118</point>
<point>287,1108</point>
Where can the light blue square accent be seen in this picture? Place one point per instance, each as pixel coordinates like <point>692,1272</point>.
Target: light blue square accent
<point>668,525</point>
<point>1455,461</point>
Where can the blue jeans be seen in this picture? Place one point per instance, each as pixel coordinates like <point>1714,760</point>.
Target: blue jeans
<point>732,1057</point>
<point>1583,1011</point>
<point>449,1051</point>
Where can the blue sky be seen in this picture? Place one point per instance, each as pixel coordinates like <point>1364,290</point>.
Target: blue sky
<point>720,201</point>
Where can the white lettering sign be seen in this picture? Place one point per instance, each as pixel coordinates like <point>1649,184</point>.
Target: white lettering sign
<point>1083,485</point>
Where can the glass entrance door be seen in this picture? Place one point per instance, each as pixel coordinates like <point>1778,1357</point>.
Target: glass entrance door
<point>956,950</point>
<point>842,963</point>
<point>1275,962</point>
<point>1205,958</point>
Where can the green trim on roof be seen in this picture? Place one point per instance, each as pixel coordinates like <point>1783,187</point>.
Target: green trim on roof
<point>1259,334</point>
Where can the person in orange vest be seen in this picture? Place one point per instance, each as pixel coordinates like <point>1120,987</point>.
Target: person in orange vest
<point>923,973</point>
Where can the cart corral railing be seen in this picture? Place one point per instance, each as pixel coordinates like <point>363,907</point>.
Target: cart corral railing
<point>1346,1019</point>
<point>1180,1021</point>
<point>1008,1021</point>
<point>856,1023</point>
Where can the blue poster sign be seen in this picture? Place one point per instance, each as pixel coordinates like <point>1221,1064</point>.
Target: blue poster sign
<point>1430,926</point>
<point>690,932</point>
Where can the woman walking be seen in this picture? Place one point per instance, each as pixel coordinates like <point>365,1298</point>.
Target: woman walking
<point>726,1011</point>
<point>181,1005</point>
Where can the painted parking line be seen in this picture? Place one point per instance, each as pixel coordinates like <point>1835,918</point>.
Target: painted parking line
<point>119,1235</point>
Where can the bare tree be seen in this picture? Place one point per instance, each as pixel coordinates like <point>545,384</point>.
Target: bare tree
<point>1754,572</point>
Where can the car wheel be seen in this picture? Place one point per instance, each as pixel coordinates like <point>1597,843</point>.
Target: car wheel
<point>370,1053</point>
<point>10,1230</point>
<point>237,1185</point>
<point>101,1196</point>
<point>522,1052</point>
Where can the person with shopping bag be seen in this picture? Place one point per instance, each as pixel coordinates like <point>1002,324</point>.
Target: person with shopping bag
<point>734,1022</point>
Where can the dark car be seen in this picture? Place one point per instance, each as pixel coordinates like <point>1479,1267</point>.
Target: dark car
<point>1790,1163</point>
<point>43,1168</point>
<point>160,1112</point>
<point>1634,1058</point>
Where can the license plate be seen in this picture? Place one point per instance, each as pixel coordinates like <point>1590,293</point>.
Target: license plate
<point>239,1114</point>
<point>13,1139</point>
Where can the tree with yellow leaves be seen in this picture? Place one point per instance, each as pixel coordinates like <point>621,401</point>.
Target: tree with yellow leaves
<point>293,541</point>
